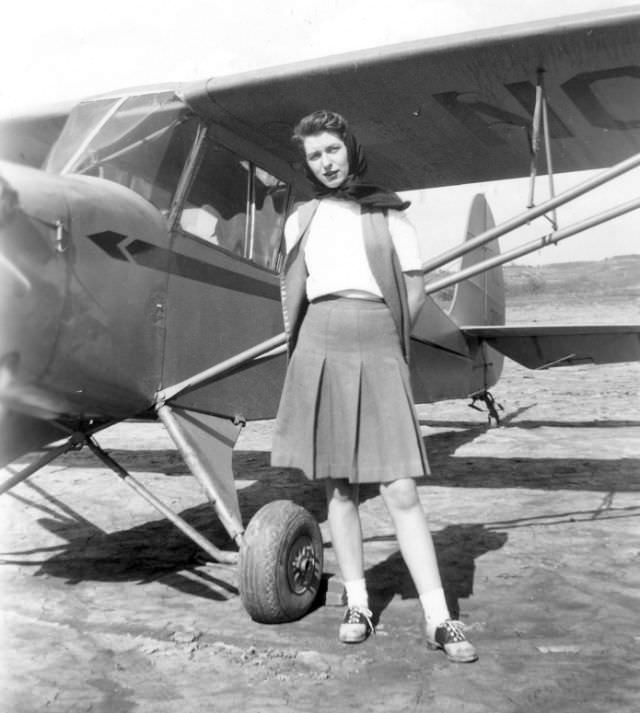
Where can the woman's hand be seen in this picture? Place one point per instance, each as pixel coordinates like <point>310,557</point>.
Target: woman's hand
<point>414,282</point>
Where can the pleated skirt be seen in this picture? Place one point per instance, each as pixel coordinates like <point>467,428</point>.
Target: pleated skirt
<point>346,410</point>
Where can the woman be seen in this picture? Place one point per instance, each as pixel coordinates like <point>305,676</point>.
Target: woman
<point>352,286</point>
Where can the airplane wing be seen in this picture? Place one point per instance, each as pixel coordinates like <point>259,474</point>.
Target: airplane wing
<point>540,347</point>
<point>456,109</point>
<point>27,138</point>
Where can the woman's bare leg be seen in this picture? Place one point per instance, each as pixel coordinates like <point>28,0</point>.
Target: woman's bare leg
<point>346,536</point>
<point>416,545</point>
<point>345,528</point>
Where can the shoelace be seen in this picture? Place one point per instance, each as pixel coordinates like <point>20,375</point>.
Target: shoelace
<point>354,615</point>
<point>455,630</point>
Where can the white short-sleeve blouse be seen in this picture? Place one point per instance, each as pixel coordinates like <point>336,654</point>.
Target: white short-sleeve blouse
<point>335,253</point>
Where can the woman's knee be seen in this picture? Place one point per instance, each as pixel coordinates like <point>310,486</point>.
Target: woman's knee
<point>400,494</point>
<point>341,491</point>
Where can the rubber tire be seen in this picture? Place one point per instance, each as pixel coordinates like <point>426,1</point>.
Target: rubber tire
<point>274,535</point>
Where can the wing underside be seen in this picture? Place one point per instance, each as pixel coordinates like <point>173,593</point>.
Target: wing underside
<point>456,109</point>
<point>540,347</point>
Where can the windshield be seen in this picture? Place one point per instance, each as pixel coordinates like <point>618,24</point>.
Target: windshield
<point>83,119</point>
<point>139,141</point>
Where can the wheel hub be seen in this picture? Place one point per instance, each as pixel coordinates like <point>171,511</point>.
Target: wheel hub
<point>303,569</point>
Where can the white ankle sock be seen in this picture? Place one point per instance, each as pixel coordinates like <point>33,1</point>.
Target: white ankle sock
<point>435,606</point>
<point>357,593</point>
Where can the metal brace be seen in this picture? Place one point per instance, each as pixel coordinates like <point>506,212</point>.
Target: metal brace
<point>540,114</point>
<point>492,405</point>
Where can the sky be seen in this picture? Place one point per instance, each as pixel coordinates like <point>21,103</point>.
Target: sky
<point>73,48</point>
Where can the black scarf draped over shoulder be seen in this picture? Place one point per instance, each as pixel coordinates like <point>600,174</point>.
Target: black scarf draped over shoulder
<point>355,188</point>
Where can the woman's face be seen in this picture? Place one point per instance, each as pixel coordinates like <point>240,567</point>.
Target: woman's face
<point>327,157</point>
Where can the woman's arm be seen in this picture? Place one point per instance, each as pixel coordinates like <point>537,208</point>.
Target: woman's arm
<point>405,243</point>
<point>414,281</point>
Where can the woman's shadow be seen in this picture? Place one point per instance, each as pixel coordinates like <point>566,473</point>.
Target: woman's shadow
<point>457,547</point>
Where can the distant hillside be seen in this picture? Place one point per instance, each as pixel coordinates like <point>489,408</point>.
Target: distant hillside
<point>616,276</point>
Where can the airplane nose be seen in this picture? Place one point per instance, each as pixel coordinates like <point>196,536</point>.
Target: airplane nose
<point>33,275</point>
<point>8,210</point>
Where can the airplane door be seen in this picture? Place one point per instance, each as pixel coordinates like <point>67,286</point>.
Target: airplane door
<point>224,294</point>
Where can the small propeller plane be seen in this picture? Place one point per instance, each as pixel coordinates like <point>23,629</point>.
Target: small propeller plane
<point>140,245</point>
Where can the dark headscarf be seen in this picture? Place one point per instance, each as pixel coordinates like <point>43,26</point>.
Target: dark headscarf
<point>355,188</point>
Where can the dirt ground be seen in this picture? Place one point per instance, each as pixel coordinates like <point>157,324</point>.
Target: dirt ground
<point>106,608</point>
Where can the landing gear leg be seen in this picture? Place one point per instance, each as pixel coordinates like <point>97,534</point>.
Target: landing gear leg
<point>491,404</point>
<point>280,557</point>
<point>75,441</point>
<point>214,552</point>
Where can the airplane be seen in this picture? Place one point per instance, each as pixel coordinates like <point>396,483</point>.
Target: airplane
<point>141,242</point>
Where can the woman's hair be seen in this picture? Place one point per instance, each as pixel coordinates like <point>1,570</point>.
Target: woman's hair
<point>316,123</point>
<point>354,188</point>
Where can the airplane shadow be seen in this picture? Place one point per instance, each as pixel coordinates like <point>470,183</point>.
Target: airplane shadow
<point>154,551</point>
<point>157,551</point>
<point>576,473</point>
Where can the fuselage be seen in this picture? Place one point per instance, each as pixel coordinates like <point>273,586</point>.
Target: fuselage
<point>121,275</point>
<point>147,250</point>
<point>80,336</point>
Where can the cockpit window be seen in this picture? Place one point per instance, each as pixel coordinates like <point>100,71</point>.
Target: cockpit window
<point>236,205</point>
<point>140,141</point>
<point>83,120</point>
<point>271,201</point>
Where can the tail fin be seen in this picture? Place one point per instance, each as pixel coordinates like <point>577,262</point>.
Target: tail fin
<point>480,299</point>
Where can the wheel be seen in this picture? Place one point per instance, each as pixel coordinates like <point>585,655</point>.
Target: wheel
<point>280,563</point>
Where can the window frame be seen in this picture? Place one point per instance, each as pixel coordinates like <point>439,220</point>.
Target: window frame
<point>190,172</point>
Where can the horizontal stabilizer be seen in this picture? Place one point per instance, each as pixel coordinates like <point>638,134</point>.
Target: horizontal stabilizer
<point>540,347</point>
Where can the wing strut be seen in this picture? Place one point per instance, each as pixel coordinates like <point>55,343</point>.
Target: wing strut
<point>540,112</point>
<point>533,245</point>
<point>526,217</point>
<point>536,244</point>
<point>270,347</point>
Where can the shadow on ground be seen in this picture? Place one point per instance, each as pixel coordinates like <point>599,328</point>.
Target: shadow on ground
<point>158,551</point>
<point>457,548</point>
